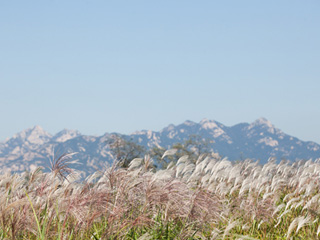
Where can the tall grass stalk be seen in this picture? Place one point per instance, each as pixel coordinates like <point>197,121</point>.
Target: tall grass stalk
<point>40,232</point>
<point>211,198</point>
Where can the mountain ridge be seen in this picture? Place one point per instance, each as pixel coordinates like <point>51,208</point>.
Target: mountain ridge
<point>257,140</point>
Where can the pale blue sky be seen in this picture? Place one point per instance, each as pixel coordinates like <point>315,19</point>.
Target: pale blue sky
<point>120,66</point>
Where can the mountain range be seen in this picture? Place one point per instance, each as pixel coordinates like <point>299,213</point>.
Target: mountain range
<point>257,140</point>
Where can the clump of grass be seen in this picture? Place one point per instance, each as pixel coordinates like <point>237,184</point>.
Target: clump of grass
<point>211,198</point>
<point>61,165</point>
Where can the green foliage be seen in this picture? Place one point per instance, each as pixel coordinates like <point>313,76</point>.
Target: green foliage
<point>193,147</point>
<point>125,150</point>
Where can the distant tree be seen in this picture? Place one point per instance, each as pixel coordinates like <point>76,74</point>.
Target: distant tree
<point>124,150</point>
<point>193,147</point>
<point>156,153</point>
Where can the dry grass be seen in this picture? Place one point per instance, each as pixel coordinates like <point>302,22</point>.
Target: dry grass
<point>210,199</point>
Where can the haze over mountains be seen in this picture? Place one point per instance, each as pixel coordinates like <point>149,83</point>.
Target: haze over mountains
<point>258,140</point>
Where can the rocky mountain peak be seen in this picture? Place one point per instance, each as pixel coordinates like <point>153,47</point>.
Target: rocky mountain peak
<point>189,123</point>
<point>35,135</point>
<point>208,124</point>
<point>65,135</point>
<point>168,128</point>
<point>262,122</point>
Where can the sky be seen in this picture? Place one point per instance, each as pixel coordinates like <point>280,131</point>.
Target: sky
<point>120,66</point>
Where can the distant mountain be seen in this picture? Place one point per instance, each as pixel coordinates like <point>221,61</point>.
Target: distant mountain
<point>258,140</point>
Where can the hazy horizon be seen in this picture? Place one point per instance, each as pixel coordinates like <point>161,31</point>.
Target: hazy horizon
<point>120,66</point>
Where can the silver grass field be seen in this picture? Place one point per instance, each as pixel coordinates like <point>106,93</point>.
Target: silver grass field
<point>210,198</point>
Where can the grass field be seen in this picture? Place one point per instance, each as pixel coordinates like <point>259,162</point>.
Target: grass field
<point>211,198</point>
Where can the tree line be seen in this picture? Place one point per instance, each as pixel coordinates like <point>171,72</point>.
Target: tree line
<point>124,150</point>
